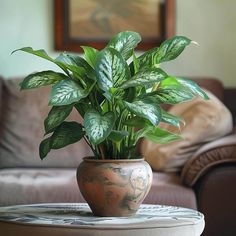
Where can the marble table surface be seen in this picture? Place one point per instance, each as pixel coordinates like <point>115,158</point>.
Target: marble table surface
<point>79,215</point>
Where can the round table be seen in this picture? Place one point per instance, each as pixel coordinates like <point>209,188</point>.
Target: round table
<point>70,219</point>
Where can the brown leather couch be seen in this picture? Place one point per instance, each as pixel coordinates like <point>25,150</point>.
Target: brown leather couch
<point>207,181</point>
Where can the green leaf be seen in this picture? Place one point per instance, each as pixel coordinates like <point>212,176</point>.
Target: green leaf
<point>83,106</point>
<point>72,59</point>
<point>170,82</point>
<point>137,122</point>
<point>148,59</point>
<point>41,53</point>
<point>161,136</point>
<point>145,77</point>
<point>66,92</point>
<point>44,148</point>
<point>193,87</point>
<point>135,63</point>
<point>125,42</point>
<point>117,136</point>
<point>171,95</point>
<point>66,134</point>
<point>168,118</point>
<point>169,50</point>
<point>56,116</point>
<point>172,48</point>
<point>98,126</point>
<point>130,94</point>
<point>183,84</point>
<point>75,64</point>
<point>90,55</point>
<point>40,79</point>
<point>111,69</point>
<point>146,108</point>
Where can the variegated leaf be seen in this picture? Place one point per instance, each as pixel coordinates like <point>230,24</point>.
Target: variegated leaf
<point>172,96</point>
<point>147,108</point>
<point>169,50</point>
<point>125,42</point>
<point>172,48</point>
<point>145,77</point>
<point>75,64</point>
<point>66,92</point>
<point>56,116</point>
<point>148,59</point>
<point>40,79</point>
<point>98,126</point>
<point>111,69</point>
<point>193,87</point>
<point>171,119</point>
<point>180,84</point>
<point>66,134</point>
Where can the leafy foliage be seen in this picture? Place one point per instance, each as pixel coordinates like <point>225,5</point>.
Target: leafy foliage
<point>119,103</point>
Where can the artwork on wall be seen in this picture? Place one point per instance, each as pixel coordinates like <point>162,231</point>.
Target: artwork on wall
<point>93,22</point>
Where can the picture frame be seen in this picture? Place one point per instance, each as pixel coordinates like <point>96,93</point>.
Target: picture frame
<point>93,22</point>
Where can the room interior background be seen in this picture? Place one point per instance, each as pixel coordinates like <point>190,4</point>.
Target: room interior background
<point>211,23</point>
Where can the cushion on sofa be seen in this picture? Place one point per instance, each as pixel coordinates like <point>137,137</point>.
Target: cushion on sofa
<point>38,185</point>
<point>22,130</point>
<point>167,189</point>
<point>205,121</point>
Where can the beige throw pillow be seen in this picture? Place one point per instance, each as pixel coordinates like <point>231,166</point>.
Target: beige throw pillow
<point>205,121</point>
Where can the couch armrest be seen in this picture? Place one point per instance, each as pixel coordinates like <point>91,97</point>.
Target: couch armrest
<point>211,154</point>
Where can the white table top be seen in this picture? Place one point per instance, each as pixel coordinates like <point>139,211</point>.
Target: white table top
<point>78,216</point>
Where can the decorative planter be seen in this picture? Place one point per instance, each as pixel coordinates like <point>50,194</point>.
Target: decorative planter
<point>114,187</point>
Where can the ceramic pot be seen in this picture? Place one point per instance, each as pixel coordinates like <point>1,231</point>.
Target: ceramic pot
<point>114,187</point>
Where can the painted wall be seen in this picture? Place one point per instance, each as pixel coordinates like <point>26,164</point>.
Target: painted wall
<point>25,23</point>
<point>211,23</point>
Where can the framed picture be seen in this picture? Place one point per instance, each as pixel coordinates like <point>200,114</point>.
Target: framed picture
<point>94,22</point>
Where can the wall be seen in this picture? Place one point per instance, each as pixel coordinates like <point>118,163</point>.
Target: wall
<point>25,23</point>
<point>211,23</point>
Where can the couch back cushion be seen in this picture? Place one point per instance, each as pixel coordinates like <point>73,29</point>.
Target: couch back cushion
<point>205,122</point>
<point>22,129</point>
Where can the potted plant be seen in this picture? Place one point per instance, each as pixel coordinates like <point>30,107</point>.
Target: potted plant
<point>119,97</point>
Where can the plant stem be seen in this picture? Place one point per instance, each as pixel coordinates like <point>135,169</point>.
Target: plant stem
<point>86,140</point>
<point>101,148</point>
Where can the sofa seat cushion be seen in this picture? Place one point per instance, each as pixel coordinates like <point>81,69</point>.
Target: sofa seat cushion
<point>48,185</point>
<point>28,186</point>
<point>167,189</point>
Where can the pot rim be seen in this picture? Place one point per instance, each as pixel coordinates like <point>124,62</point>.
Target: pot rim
<point>92,159</point>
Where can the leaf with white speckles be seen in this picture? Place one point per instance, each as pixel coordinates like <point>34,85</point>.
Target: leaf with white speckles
<point>111,69</point>
<point>146,108</point>
<point>145,77</point>
<point>66,92</point>
<point>125,42</point>
<point>98,126</point>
